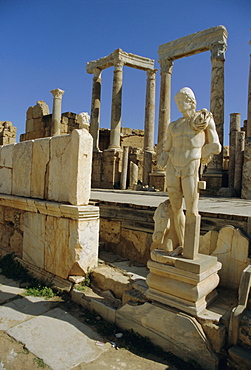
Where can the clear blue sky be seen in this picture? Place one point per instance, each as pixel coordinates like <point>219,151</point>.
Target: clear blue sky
<point>45,44</point>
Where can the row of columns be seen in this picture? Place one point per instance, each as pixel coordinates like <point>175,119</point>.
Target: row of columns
<point>116,108</point>
<point>116,114</point>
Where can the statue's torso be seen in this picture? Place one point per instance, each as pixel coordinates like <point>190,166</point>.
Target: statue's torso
<point>186,143</point>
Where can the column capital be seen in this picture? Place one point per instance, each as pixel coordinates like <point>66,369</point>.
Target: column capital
<point>97,72</point>
<point>57,93</point>
<point>118,66</point>
<point>218,51</point>
<point>151,74</point>
<point>166,66</point>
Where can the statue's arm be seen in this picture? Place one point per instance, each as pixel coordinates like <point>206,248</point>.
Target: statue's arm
<point>163,155</point>
<point>212,143</point>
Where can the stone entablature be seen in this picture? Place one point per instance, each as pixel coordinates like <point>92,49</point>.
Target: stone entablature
<point>194,43</point>
<point>127,59</point>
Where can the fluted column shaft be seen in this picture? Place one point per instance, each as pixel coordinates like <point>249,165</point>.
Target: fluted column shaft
<point>56,113</point>
<point>217,100</point>
<point>235,126</point>
<point>116,107</point>
<point>95,108</point>
<point>165,102</point>
<point>150,111</point>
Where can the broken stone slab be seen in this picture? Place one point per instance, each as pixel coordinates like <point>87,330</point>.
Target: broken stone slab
<point>59,339</point>
<point>170,329</point>
<point>108,278</point>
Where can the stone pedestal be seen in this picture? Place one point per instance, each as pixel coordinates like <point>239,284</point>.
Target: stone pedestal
<point>112,165</point>
<point>158,180</point>
<point>186,284</point>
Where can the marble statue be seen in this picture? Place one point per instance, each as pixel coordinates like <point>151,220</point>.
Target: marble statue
<point>192,140</point>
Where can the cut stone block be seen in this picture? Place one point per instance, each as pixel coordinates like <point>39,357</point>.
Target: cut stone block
<point>173,331</point>
<point>34,239</point>
<point>21,178</point>
<point>70,168</point>
<point>6,155</point>
<point>5,180</point>
<point>39,174</point>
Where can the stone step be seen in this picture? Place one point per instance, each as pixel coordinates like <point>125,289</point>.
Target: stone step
<point>239,358</point>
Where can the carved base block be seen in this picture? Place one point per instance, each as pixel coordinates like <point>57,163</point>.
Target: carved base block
<point>185,284</point>
<point>158,180</point>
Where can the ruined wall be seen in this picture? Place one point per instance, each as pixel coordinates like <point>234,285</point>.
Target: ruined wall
<point>44,194</point>
<point>39,122</point>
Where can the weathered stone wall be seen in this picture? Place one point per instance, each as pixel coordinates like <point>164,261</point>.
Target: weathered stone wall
<point>55,168</point>
<point>39,122</point>
<point>44,213</point>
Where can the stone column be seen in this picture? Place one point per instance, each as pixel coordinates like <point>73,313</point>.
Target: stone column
<point>134,175</point>
<point>165,102</point>
<point>149,125</point>
<point>249,103</point>
<point>56,113</point>
<point>158,178</point>
<point>217,100</point>
<point>124,168</point>
<point>235,125</point>
<point>116,107</point>
<point>150,111</point>
<point>240,146</point>
<point>95,108</point>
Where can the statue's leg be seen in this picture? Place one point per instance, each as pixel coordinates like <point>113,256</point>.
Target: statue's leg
<point>190,188</point>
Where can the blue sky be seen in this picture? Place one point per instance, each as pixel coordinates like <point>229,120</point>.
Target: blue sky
<point>45,44</point>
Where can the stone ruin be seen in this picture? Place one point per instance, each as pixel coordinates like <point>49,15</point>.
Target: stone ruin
<point>47,219</point>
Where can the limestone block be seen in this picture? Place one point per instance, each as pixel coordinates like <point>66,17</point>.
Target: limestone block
<point>40,109</point>
<point>29,125</point>
<point>208,242</point>
<point>173,331</point>
<point>57,257</point>
<point>22,159</point>
<point>5,180</point>
<point>5,234</point>
<point>37,124</point>
<point>34,239</point>
<point>83,240</point>
<point>107,278</point>
<point>140,240</point>
<point>110,230</point>
<point>70,168</point>
<point>232,251</point>
<point>39,173</point>
<point>6,155</point>
<point>29,113</point>
<point>16,243</point>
